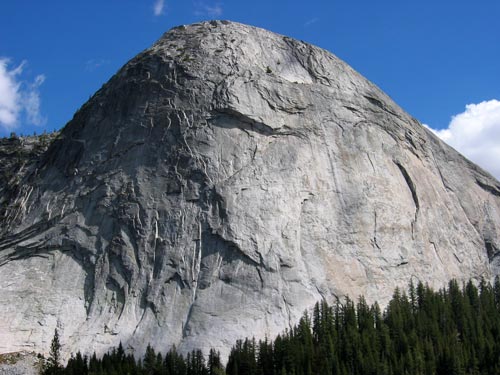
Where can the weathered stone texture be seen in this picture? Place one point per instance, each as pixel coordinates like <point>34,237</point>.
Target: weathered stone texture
<point>221,183</point>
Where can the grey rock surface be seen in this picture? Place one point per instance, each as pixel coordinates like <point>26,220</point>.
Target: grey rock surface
<point>18,155</point>
<point>222,182</point>
<point>20,363</point>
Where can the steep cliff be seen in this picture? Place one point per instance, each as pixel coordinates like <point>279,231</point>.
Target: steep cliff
<point>223,181</point>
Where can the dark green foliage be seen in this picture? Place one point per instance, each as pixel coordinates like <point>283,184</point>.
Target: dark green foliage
<point>454,331</point>
<point>117,362</point>
<point>214,364</point>
<point>53,364</point>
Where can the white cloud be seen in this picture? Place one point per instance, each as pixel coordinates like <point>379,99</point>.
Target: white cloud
<point>94,64</point>
<point>210,10</point>
<point>18,96</point>
<point>476,134</point>
<point>9,94</point>
<point>159,7</point>
<point>311,21</point>
<point>32,102</point>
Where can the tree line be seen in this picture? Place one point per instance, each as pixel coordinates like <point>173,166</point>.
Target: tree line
<point>452,331</point>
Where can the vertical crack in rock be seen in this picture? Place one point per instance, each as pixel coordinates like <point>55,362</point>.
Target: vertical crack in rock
<point>288,313</point>
<point>185,324</point>
<point>413,192</point>
<point>491,249</point>
<point>434,247</point>
<point>371,161</point>
<point>374,240</point>
<point>195,274</point>
<point>443,180</point>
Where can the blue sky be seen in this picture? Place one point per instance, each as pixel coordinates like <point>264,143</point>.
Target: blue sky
<point>432,57</point>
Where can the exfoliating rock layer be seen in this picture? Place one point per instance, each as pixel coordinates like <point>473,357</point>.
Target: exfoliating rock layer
<point>221,183</point>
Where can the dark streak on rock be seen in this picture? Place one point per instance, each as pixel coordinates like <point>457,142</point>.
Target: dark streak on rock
<point>495,190</point>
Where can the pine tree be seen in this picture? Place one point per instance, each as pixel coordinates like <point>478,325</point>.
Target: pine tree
<point>77,365</point>
<point>451,331</point>
<point>174,363</point>
<point>496,291</point>
<point>215,366</point>
<point>95,366</point>
<point>150,361</point>
<point>53,365</point>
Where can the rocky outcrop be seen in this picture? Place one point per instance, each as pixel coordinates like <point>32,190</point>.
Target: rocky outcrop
<point>22,363</point>
<point>221,183</point>
<point>18,157</point>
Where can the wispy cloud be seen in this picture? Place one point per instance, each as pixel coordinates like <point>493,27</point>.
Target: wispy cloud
<point>18,96</point>
<point>208,9</point>
<point>476,134</point>
<point>32,102</point>
<point>311,21</point>
<point>94,64</point>
<point>159,7</point>
<point>9,94</point>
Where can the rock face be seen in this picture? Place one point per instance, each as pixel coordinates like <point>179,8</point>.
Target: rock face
<point>18,156</point>
<point>221,183</point>
<point>20,364</point>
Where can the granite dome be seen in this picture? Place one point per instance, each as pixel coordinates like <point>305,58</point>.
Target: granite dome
<point>222,182</point>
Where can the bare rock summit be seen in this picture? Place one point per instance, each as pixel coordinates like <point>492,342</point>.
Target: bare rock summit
<point>222,182</point>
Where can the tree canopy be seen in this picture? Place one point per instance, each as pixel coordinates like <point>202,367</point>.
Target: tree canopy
<point>453,331</point>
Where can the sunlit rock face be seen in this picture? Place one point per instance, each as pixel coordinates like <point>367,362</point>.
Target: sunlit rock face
<point>222,182</point>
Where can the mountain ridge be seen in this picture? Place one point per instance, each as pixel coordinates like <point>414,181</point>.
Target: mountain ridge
<point>223,181</point>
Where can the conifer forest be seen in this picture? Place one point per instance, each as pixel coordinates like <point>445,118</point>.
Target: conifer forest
<point>453,331</point>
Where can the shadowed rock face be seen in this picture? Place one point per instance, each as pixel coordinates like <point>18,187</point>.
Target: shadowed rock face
<point>221,183</point>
